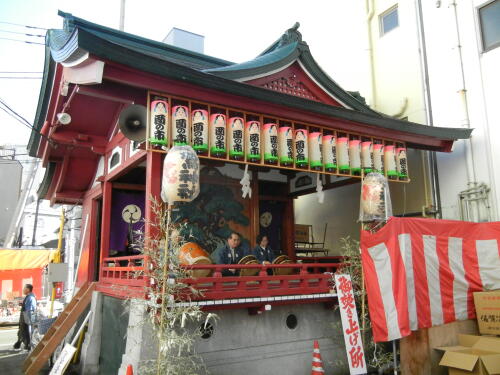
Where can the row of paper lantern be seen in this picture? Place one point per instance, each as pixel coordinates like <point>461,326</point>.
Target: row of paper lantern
<point>274,144</point>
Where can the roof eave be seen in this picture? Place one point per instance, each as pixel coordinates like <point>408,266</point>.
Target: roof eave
<point>106,50</point>
<point>43,102</point>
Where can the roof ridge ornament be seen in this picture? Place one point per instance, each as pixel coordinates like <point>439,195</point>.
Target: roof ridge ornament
<point>290,36</point>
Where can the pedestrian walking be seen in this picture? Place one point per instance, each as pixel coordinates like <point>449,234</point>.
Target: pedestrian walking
<point>26,318</point>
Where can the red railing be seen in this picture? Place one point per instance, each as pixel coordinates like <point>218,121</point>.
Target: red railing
<point>312,278</point>
<point>125,276</point>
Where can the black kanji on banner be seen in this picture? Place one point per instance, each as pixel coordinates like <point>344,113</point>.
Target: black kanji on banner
<point>198,133</point>
<point>238,141</point>
<point>180,125</point>
<point>159,126</point>
<point>300,150</point>
<point>274,145</point>
<point>219,137</point>
<point>254,144</point>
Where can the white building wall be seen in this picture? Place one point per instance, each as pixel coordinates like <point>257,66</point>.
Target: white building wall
<point>398,74</point>
<point>396,64</point>
<point>482,79</point>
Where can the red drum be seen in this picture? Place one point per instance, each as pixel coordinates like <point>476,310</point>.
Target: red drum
<point>191,253</point>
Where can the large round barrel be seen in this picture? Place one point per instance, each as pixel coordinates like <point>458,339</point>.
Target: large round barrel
<point>283,259</point>
<point>249,259</point>
<point>191,253</point>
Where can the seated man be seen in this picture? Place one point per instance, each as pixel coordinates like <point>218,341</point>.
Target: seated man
<point>263,253</point>
<point>231,253</point>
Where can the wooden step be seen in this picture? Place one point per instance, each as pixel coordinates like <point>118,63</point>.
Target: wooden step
<point>58,331</point>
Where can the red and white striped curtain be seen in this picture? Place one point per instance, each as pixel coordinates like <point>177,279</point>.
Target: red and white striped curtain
<point>422,272</point>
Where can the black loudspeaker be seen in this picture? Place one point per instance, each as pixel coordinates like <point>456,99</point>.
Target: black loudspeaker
<point>132,122</point>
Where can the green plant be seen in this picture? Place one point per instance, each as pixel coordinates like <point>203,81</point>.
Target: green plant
<point>175,336</point>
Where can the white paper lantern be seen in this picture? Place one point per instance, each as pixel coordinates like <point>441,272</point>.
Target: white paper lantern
<point>367,156</point>
<point>301,148</point>
<point>330,153</point>
<point>285,145</point>
<point>236,144</point>
<point>315,151</point>
<point>378,157</point>
<point>200,131</point>
<point>390,161</point>
<point>355,155</point>
<point>375,198</point>
<point>181,175</point>
<point>343,154</point>
<point>218,135</point>
<point>252,141</point>
<point>401,163</point>
<point>270,143</point>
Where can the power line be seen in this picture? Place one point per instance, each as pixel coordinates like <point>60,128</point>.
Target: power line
<point>21,77</point>
<point>22,41</point>
<point>27,26</point>
<point>20,119</point>
<point>11,115</point>
<point>18,33</point>
<point>15,161</point>
<point>26,122</point>
<point>21,72</point>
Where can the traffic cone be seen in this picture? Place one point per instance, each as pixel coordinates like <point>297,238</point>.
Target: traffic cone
<point>317,363</point>
<point>130,370</point>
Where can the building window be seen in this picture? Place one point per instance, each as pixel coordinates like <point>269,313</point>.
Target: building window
<point>389,20</point>
<point>489,16</point>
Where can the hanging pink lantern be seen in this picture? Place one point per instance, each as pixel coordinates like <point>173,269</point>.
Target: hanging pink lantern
<point>159,122</point>
<point>236,138</point>
<point>270,143</point>
<point>180,127</point>
<point>218,135</point>
<point>252,141</point>
<point>285,146</point>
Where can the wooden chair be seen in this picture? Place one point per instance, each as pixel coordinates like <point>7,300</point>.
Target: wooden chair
<point>305,243</point>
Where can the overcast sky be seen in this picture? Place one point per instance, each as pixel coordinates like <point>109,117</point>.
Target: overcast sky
<point>234,30</point>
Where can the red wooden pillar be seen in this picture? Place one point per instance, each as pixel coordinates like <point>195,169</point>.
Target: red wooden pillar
<point>107,192</point>
<point>153,189</point>
<point>289,230</point>
<point>254,209</point>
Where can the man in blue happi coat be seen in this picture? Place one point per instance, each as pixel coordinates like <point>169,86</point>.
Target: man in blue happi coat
<point>231,253</point>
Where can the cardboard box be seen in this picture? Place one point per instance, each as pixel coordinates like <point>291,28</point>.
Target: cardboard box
<point>478,355</point>
<point>488,312</point>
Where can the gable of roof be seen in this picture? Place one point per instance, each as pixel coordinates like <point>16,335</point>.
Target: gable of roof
<point>288,49</point>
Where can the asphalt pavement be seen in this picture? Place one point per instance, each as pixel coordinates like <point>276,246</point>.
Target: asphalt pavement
<point>11,360</point>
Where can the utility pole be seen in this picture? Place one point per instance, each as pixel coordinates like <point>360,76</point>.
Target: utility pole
<point>122,15</point>
<point>35,224</point>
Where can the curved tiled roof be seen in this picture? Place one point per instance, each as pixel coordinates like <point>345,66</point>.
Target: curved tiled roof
<point>81,37</point>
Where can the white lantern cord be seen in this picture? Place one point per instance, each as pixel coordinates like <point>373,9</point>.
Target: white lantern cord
<point>319,189</point>
<point>245,184</point>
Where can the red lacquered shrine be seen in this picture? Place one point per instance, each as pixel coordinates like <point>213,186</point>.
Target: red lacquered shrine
<point>279,113</point>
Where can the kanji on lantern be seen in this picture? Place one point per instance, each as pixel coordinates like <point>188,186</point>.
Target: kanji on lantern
<point>180,180</point>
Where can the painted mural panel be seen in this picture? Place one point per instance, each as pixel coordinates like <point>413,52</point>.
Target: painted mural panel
<point>210,218</point>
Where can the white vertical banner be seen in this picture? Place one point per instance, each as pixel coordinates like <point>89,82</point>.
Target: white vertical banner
<point>63,360</point>
<point>350,325</point>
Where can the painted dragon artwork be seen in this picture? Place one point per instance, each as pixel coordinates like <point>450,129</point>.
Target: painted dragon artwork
<point>212,216</point>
